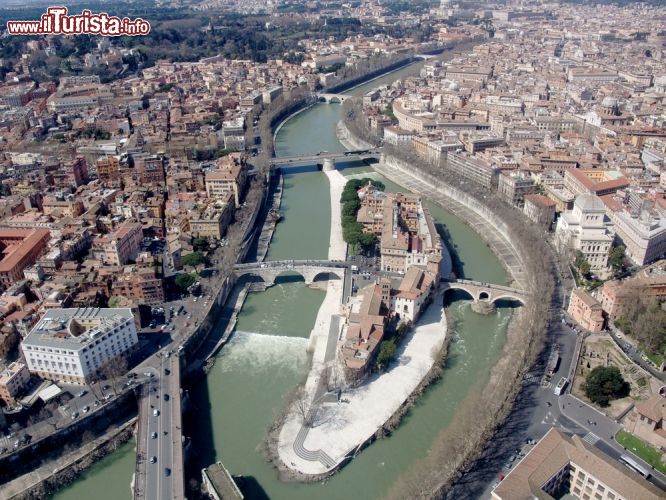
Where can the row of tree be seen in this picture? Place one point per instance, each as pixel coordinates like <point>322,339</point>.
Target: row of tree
<point>352,231</point>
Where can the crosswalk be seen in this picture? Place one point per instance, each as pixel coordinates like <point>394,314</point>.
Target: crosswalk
<point>532,378</point>
<point>591,438</point>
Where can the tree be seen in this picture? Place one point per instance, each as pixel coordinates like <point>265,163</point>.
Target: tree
<point>605,383</point>
<point>193,259</point>
<point>184,281</point>
<point>616,258</point>
<point>200,244</point>
<point>386,354</point>
<point>581,263</point>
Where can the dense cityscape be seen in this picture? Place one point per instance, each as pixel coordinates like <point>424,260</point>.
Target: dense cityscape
<point>370,249</point>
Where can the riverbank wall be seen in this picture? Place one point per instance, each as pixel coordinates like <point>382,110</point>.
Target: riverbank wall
<point>37,468</point>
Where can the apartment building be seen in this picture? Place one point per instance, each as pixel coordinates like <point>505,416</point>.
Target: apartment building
<point>72,345</point>
<point>540,209</point>
<point>475,169</point>
<point>13,380</point>
<point>649,283</point>
<point>560,464</point>
<point>643,235</point>
<point>513,186</point>
<point>586,310</point>
<point>123,244</point>
<point>230,176</point>
<point>213,219</point>
<point>19,248</point>
<point>595,181</point>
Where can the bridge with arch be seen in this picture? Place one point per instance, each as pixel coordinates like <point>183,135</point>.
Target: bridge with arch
<point>330,98</point>
<point>487,292</point>
<point>310,270</point>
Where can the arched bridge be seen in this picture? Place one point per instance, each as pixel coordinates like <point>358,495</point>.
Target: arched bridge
<point>486,291</point>
<point>332,98</point>
<point>308,269</point>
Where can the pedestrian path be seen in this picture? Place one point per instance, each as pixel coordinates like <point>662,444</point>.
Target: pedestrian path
<point>591,438</point>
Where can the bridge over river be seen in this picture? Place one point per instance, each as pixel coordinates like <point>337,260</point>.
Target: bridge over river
<point>310,270</point>
<point>325,158</point>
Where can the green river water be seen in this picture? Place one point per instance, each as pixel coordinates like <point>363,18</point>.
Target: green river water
<point>233,406</point>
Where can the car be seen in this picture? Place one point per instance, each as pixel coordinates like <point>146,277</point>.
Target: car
<point>153,459</point>
<point>82,393</point>
<point>195,299</point>
<point>167,371</point>
<point>549,404</point>
<point>96,403</point>
<point>156,412</point>
<point>86,409</point>
<point>166,397</point>
<point>75,415</point>
<point>167,472</point>
<point>153,435</point>
<point>106,387</point>
<point>168,354</point>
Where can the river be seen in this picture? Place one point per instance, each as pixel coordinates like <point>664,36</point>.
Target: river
<point>233,406</point>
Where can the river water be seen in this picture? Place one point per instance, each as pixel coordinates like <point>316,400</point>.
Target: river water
<point>266,358</point>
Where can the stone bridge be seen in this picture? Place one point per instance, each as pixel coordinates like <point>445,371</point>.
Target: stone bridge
<point>487,292</point>
<point>332,98</point>
<point>324,157</point>
<point>310,270</point>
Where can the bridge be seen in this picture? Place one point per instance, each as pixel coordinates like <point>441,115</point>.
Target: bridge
<point>487,292</point>
<point>310,270</point>
<point>325,158</point>
<point>330,98</point>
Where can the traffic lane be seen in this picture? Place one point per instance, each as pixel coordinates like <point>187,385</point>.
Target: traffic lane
<point>167,422</point>
<point>152,478</point>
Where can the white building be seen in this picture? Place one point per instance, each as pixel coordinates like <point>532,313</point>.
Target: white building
<point>644,236</point>
<point>71,345</point>
<point>586,228</point>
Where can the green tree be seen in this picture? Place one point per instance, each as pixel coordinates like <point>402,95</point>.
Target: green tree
<point>184,281</point>
<point>193,259</point>
<point>367,240</point>
<point>616,258</point>
<point>200,244</point>
<point>605,383</point>
<point>581,263</point>
<point>386,353</point>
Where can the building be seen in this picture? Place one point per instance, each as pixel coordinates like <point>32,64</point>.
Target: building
<point>140,285</point>
<point>72,345</point>
<point>414,289</point>
<point>647,420</point>
<point>19,248</point>
<point>408,235</point>
<point>123,244</point>
<point>212,220</point>
<point>649,283</point>
<point>644,235</point>
<point>365,329</point>
<point>475,169</point>
<point>540,209</point>
<point>397,135</point>
<point>477,143</point>
<point>586,310</point>
<point>230,176</point>
<point>108,170</point>
<point>13,380</point>
<point>559,465</point>
<point>595,181</point>
<point>150,169</point>
<point>513,186</point>
<point>585,228</point>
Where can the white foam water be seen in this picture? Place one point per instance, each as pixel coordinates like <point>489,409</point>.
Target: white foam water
<point>259,352</point>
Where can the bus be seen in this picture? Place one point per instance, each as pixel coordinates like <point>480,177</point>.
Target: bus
<point>635,466</point>
<point>559,388</point>
<point>553,363</point>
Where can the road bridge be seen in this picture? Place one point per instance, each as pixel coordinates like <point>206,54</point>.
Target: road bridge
<point>324,157</point>
<point>160,466</point>
<point>331,98</point>
<point>310,270</point>
<point>487,292</point>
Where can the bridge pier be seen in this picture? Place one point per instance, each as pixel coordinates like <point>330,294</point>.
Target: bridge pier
<point>483,307</point>
<point>329,165</point>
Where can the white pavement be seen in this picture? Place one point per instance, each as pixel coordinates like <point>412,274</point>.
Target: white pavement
<point>319,336</point>
<point>340,428</point>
